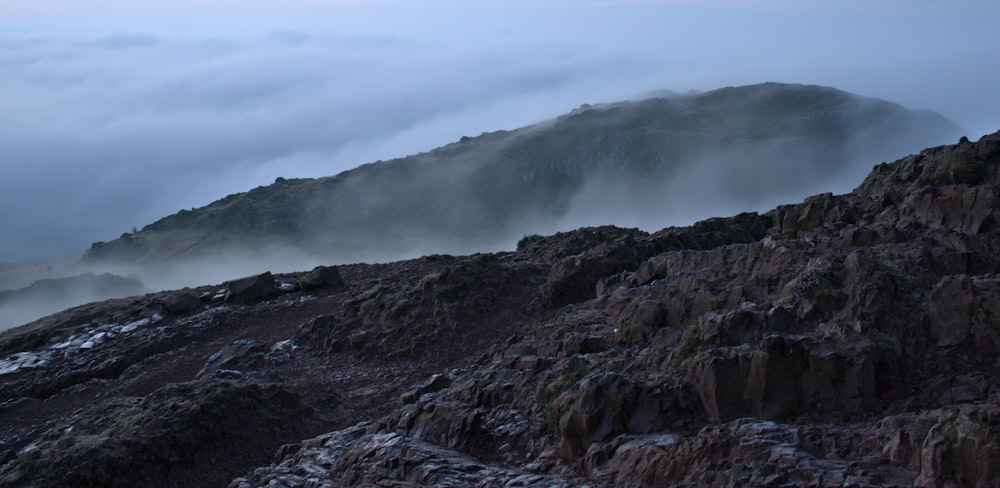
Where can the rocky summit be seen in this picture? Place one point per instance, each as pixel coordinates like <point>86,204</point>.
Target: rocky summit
<point>848,340</point>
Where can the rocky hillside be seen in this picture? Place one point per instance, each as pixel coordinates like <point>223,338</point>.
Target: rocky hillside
<point>649,162</point>
<point>848,340</point>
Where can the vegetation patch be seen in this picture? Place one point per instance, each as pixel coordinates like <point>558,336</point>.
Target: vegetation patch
<point>528,240</point>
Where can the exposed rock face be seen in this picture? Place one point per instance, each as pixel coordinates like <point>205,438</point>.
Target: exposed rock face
<point>850,340</point>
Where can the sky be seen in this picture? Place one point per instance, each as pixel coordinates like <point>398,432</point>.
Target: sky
<point>115,113</point>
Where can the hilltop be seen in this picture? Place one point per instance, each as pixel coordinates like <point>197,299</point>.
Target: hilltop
<point>844,340</point>
<point>649,162</point>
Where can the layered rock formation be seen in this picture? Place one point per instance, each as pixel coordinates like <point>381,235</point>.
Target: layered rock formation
<point>849,340</point>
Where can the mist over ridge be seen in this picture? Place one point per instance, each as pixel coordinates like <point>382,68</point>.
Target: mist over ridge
<point>666,160</point>
<point>650,163</point>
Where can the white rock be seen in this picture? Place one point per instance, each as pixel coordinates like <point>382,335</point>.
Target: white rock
<point>286,287</point>
<point>140,323</point>
<point>87,345</point>
<point>129,327</point>
<point>8,367</point>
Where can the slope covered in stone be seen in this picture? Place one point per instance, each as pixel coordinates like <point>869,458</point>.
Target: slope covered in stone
<point>845,340</point>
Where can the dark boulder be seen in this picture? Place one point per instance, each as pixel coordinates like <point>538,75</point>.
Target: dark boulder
<point>180,302</point>
<point>240,355</point>
<point>320,277</point>
<point>252,288</point>
<point>435,383</point>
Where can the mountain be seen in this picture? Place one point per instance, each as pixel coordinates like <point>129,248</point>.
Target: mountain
<point>649,163</point>
<point>847,340</point>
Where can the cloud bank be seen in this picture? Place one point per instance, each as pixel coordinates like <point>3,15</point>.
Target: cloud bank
<point>116,114</point>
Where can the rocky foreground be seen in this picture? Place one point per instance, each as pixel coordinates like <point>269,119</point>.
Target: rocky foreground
<point>848,340</point>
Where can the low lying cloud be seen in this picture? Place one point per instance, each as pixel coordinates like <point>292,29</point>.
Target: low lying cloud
<point>114,116</point>
<point>100,138</point>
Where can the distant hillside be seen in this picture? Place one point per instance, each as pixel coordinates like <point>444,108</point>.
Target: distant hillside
<point>646,163</point>
<point>50,295</point>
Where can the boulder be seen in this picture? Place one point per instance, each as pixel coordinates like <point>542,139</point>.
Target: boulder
<point>320,277</point>
<point>447,424</point>
<point>965,310</point>
<point>251,288</point>
<point>954,446</point>
<point>574,279</point>
<point>596,409</point>
<point>436,383</point>
<point>180,302</point>
<point>240,355</point>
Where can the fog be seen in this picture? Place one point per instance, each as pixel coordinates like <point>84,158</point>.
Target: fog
<point>118,113</point>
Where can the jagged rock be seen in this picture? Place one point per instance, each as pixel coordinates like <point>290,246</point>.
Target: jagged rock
<point>239,355</point>
<point>436,383</point>
<point>252,288</point>
<point>815,211</point>
<point>783,377</point>
<point>566,244</point>
<point>362,456</point>
<point>321,277</point>
<point>964,308</point>
<point>955,445</point>
<point>595,409</point>
<point>574,278</point>
<point>446,424</point>
<point>637,316</point>
<point>745,452</point>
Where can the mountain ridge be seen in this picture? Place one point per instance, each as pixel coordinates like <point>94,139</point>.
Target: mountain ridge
<point>501,185</point>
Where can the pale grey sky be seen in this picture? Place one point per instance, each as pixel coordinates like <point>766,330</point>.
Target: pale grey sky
<point>118,112</point>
